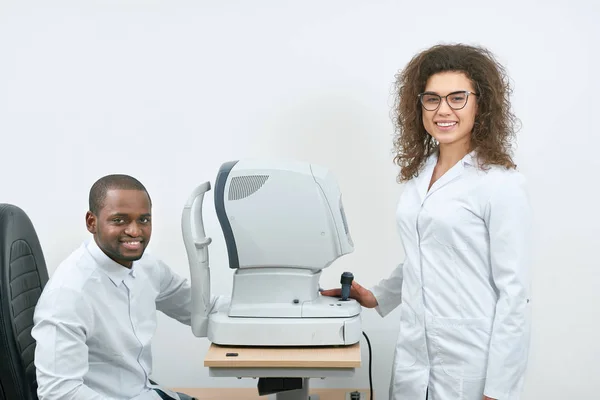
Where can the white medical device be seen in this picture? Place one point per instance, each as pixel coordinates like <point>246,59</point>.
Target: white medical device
<point>283,223</point>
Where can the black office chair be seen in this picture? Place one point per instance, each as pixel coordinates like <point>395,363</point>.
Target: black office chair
<point>23,275</point>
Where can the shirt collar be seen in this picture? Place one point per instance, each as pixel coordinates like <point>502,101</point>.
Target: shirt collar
<point>115,271</point>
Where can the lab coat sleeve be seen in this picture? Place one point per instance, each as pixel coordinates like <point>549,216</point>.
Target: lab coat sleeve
<point>175,297</point>
<point>509,218</point>
<point>62,319</point>
<point>388,292</point>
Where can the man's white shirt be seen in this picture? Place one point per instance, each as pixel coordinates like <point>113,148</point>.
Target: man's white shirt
<point>94,325</point>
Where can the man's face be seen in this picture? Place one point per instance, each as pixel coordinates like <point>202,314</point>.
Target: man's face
<point>123,226</point>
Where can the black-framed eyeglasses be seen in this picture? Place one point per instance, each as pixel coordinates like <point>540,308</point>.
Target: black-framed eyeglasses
<point>456,100</point>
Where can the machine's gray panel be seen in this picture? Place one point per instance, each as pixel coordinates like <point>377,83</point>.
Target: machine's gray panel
<point>222,176</point>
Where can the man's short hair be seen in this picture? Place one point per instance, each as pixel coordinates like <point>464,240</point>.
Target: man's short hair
<point>110,182</point>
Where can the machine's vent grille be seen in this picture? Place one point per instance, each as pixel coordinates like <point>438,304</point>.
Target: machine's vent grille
<point>244,186</point>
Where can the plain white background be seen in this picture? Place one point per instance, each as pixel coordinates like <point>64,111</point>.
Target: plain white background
<point>169,90</point>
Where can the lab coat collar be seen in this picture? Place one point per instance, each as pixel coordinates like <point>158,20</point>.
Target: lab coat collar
<point>115,271</point>
<point>470,159</point>
<point>453,173</point>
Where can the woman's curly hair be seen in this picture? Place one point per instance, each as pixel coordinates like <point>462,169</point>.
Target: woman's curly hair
<point>495,124</point>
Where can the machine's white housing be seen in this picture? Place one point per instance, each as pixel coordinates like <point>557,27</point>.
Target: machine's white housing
<point>283,223</point>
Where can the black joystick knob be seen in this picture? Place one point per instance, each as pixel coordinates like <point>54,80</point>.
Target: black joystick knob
<point>346,282</point>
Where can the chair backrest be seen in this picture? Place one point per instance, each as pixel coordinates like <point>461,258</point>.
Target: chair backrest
<point>23,275</point>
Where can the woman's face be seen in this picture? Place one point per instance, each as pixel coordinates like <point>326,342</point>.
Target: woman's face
<point>449,125</point>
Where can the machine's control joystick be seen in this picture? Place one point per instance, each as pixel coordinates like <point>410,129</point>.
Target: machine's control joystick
<point>346,282</point>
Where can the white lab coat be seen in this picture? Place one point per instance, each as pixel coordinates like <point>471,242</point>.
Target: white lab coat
<point>463,287</point>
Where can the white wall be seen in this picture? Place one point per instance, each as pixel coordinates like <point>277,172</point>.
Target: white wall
<point>169,90</point>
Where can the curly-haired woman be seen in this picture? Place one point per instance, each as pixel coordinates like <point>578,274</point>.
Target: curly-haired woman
<point>464,220</point>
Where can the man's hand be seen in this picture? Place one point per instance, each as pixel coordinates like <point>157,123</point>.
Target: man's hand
<point>364,296</point>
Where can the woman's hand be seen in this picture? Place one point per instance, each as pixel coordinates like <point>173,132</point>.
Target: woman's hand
<point>364,296</point>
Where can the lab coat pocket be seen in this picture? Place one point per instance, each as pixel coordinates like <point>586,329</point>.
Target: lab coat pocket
<point>450,237</point>
<point>456,227</point>
<point>462,346</point>
<point>405,354</point>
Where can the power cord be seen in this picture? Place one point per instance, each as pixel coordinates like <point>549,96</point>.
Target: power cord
<point>370,365</point>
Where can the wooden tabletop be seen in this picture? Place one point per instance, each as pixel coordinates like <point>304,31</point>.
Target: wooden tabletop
<point>252,393</point>
<point>283,357</point>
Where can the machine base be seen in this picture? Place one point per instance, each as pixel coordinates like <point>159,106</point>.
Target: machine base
<point>237,331</point>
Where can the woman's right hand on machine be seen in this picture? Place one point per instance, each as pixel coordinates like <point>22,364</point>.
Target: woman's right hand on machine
<point>364,296</point>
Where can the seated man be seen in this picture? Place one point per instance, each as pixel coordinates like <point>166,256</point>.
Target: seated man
<point>96,317</point>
